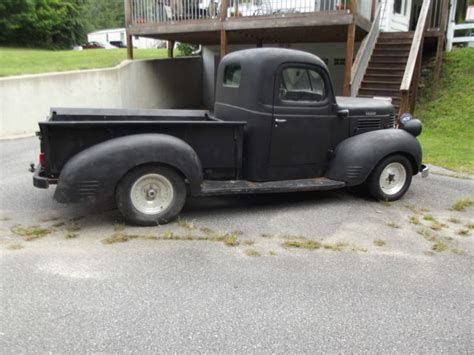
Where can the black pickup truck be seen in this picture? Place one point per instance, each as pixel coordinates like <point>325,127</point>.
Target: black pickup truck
<point>276,127</point>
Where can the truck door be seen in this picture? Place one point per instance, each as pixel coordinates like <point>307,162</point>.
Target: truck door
<point>302,119</point>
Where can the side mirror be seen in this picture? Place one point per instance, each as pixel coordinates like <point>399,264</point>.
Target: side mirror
<point>343,113</point>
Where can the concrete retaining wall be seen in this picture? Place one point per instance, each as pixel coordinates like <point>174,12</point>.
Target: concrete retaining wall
<point>163,83</point>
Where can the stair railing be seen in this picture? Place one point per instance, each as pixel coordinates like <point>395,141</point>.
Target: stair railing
<point>364,53</point>
<point>410,77</point>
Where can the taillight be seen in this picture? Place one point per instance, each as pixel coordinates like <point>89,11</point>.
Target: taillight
<point>41,159</point>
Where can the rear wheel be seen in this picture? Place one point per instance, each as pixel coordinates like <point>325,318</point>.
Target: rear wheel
<point>151,195</point>
<point>391,178</point>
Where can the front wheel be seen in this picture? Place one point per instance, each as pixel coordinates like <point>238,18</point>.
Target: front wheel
<point>150,195</point>
<point>390,179</point>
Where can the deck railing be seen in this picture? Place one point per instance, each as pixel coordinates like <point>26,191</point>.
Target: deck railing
<point>246,8</point>
<point>452,27</point>
<point>439,14</point>
<point>156,11</point>
<point>452,38</point>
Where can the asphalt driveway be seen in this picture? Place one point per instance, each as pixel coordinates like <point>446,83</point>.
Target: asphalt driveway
<point>306,272</point>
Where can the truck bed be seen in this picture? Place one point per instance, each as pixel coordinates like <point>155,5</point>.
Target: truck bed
<point>119,114</point>
<point>69,131</point>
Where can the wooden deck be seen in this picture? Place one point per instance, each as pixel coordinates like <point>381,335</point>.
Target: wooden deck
<point>247,21</point>
<point>309,27</point>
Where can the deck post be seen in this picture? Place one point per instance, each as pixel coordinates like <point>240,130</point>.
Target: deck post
<point>224,7</point>
<point>440,47</point>
<point>404,97</point>
<point>129,47</point>
<point>223,43</point>
<point>416,79</point>
<point>346,91</point>
<point>128,22</point>
<point>223,15</point>
<point>437,68</point>
<point>419,59</point>
<point>170,46</point>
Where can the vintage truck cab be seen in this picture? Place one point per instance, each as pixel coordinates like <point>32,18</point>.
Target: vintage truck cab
<point>293,119</point>
<point>276,127</point>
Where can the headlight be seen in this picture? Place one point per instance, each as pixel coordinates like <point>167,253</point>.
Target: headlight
<point>405,117</point>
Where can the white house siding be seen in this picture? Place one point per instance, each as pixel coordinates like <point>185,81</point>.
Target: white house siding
<point>364,8</point>
<point>332,53</point>
<point>392,22</point>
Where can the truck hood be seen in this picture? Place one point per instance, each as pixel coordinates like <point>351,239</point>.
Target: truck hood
<point>359,106</point>
<point>367,115</point>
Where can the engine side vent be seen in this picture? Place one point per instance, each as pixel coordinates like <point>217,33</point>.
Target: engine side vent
<point>368,124</point>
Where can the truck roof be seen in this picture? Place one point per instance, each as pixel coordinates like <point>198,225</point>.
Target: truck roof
<point>271,57</point>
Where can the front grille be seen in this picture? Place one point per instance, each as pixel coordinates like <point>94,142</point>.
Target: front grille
<point>391,121</point>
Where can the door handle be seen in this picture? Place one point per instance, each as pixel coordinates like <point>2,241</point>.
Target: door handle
<point>279,120</point>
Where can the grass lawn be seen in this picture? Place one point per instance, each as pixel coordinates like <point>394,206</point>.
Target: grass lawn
<point>448,121</point>
<point>16,61</point>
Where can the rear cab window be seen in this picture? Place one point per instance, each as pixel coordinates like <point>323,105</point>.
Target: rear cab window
<point>232,74</point>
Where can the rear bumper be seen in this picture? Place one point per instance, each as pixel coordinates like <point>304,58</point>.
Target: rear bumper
<point>40,180</point>
<point>425,171</point>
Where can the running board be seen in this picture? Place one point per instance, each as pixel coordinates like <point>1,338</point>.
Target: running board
<point>230,187</point>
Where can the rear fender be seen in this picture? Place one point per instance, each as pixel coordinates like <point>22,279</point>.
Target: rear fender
<point>356,157</point>
<point>93,174</point>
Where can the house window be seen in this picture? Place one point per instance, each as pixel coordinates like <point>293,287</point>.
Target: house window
<point>400,7</point>
<point>232,75</point>
<point>302,85</point>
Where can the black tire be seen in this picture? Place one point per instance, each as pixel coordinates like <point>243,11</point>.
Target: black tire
<point>132,213</point>
<point>374,185</point>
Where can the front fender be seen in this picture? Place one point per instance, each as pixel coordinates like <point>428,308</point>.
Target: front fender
<point>355,157</point>
<point>93,174</point>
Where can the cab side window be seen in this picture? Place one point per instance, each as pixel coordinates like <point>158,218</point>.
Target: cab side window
<point>301,85</point>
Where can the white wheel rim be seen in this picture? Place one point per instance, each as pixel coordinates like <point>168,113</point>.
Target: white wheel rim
<point>393,178</point>
<point>151,194</point>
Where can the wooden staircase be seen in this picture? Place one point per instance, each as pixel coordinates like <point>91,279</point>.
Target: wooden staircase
<point>384,73</point>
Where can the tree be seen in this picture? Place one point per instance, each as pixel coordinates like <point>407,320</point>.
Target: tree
<point>104,14</point>
<point>186,49</point>
<point>42,23</point>
<point>13,18</point>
